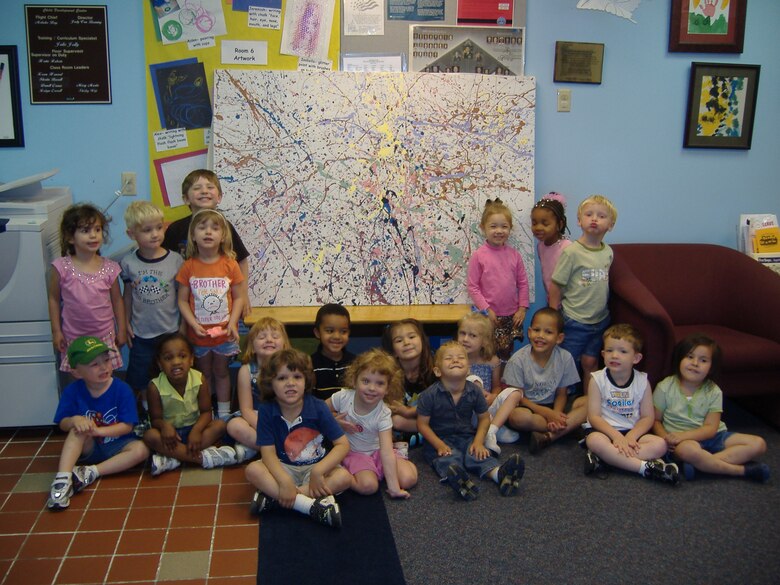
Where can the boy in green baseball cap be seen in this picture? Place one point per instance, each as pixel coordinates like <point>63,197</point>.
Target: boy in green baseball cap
<point>98,412</point>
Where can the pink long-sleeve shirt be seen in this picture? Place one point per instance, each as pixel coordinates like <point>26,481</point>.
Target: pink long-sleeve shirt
<point>497,280</point>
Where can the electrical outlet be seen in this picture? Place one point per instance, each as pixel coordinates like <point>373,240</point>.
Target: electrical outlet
<point>129,186</point>
<point>564,100</point>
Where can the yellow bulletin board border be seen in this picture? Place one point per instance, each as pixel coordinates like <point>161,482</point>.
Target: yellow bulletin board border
<point>237,30</point>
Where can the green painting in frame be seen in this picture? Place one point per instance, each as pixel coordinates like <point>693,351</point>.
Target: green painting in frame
<point>707,26</point>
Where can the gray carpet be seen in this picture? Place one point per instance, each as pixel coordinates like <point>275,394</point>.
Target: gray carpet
<point>566,528</point>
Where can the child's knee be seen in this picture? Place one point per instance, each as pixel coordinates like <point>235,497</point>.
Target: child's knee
<point>138,450</point>
<point>365,483</point>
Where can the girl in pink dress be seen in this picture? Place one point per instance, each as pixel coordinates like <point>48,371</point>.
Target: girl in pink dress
<point>84,295</point>
<point>548,224</point>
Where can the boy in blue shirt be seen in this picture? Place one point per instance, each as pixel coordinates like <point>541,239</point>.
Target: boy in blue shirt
<point>452,447</point>
<point>98,413</point>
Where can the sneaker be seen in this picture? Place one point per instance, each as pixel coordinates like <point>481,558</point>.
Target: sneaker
<point>59,496</point>
<point>594,465</point>
<point>243,453</point>
<point>757,471</point>
<point>218,457</point>
<point>492,443</point>
<point>261,503</point>
<point>144,424</point>
<point>689,471</point>
<point>461,483</point>
<point>660,471</point>
<point>161,463</point>
<point>401,449</point>
<point>326,512</point>
<point>538,442</point>
<point>83,475</point>
<point>509,475</point>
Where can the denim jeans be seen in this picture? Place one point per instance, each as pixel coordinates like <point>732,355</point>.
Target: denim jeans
<point>460,456</point>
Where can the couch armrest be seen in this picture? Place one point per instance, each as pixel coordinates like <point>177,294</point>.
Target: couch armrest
<point>753,292</point>
<point>632,302</point>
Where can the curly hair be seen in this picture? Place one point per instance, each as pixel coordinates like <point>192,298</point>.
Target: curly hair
<point>295,360</point>
<point>78,216</point>
<point>379,361</point>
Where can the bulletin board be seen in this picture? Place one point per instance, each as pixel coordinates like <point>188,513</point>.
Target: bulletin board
<point>184,73</point>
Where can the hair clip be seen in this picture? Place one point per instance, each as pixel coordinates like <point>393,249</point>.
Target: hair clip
<point>474,309</point>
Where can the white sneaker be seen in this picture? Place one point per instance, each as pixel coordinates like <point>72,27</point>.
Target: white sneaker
<point>218,457</point>
<point>83,475</point>
<point>491,442</point>
<point>161,463</point>
<point>243,453</point>
<point>60,493</point>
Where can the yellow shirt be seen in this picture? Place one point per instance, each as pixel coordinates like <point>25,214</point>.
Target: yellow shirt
<point>180,411</point>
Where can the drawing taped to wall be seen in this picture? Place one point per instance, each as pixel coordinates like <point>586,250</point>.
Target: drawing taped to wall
<point>367,188</point>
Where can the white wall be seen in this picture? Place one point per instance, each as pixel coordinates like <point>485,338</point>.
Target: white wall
<point>623,138</point>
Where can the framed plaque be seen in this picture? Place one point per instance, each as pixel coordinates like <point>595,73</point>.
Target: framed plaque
<point>578,62</point>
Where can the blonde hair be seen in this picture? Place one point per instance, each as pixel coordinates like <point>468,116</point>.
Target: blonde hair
<point>225,247</point>
<point>599,200</point>
<point>381,362</point>
<point>451,344</point>
<point>263,323</point>
<point>625,332</point>
<point>139,212</point>
<point>493,207</point>
<point>485,327</point>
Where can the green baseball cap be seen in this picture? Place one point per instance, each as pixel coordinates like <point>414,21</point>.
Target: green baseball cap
<point>83,350</point>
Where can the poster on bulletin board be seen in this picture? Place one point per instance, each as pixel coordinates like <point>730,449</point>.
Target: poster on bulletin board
<point>187,40</point>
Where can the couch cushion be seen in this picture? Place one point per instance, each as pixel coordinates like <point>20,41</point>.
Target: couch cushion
<point>741,351</point>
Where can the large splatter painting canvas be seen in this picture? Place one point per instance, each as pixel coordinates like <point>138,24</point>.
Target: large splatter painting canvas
<point>368,188</point>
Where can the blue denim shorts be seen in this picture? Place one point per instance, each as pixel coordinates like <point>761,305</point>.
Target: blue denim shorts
<point>102,451</point>
<point>228,349</point>
<point>583,339</point>
<point>717,443</point>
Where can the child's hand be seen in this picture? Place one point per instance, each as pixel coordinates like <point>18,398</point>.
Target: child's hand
<point>518,318</point>
<point>58,341</point>
<point>121,340</point>
<point>479,451</point>
<point>443,450</point>
<point>399,408</point>
<point>346,426</point>
<point>232,332</point>
<point>287,493</point>
<point>489,398</point>
<point>199,330</point>
<point>83,425</point>
<point>317,486</point>
<point>556,418</point>
<point>623,446</point>
<point>398,494</point>
<point>673,439</point>
<point>492,316</point>
<point>170,438</point>
<point>130,334</point>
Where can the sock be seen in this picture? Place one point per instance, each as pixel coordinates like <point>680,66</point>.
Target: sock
<point>303,504</point>
<point>94,470</point>
<point>145,404</point>
<point>223,409</point>
<point>642,468</point>
<point>493,474</point>
<point>492,429</point>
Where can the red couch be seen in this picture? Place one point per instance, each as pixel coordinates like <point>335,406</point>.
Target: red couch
<point>668,291</point>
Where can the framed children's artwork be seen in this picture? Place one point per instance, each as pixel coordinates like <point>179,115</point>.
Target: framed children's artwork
<point>707,26</point>
<point>721,105</point>
<point>11,133</point>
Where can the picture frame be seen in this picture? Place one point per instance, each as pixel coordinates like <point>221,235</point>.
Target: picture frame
<point>11,130</point>
<point>721,105</point>
<point>578,62</point>
<point>692,29</point>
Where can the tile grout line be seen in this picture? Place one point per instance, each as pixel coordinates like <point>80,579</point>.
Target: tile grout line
<point>124,524</point>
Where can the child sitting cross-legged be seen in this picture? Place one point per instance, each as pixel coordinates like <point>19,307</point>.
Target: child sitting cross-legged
<point>98,413</point>
<point>374,379</point>
<point>620,412</point>
<point>452,446</point>
<point>295,470</point>
<point>183,427</point>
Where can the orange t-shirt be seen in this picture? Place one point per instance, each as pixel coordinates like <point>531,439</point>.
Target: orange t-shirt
<point>211,297</point>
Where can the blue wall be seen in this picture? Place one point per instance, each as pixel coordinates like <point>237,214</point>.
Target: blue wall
<point>623,138</point>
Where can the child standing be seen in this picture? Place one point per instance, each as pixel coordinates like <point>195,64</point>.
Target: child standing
<point>183,428</point>
<point>548,224</point>
<point>201,190</point>
<point>407,342</point>
<point>688,407</point>
<point>149,277</point>
<point>211,297</point>
<point>331,360</point>
<point>84,295</point>
<point>497,280</point>
<point>620,412</point>
<point>363,413</point>
<point>580,283</point>
<point>266,337</point>
<point>452,447</point>
<point>98,412</point>
<point>295,471</point>
<point>544,371</point>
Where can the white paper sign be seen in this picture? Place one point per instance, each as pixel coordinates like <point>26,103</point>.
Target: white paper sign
<point>261,17</point>
<point>170,139</point>
<point>204,43</point>
<point>314,65</point>
<point>245,52</point>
